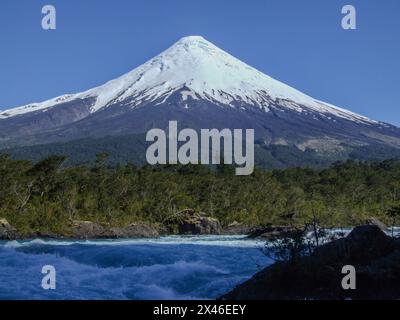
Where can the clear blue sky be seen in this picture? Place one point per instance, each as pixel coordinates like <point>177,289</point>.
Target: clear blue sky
<point>298,42</point>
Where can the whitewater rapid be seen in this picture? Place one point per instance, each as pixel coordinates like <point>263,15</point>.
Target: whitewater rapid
<point>173,267</point>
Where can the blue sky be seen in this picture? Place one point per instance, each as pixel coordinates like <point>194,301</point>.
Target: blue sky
<point>298,42</point>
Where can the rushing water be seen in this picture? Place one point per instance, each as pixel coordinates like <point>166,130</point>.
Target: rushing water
<point>175,267</point>
<point>202,267</point>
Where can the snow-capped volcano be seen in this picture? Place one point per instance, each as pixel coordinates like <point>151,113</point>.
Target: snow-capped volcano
<point>207,72</point>
<point>200,86</point>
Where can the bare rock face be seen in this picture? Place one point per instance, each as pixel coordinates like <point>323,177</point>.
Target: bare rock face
<point>7,232</point>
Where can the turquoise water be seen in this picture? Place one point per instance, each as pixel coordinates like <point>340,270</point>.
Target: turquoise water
<point>202,267</point>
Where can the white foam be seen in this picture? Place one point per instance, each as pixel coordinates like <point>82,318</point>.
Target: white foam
<point>239,241</point>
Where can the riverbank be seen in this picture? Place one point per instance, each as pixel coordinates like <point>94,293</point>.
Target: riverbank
<point>185,222</point>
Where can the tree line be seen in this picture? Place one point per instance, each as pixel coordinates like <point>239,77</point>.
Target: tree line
<point>45,196</point>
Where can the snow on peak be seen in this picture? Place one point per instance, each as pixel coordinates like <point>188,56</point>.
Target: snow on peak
<point>192,39</point>
<point>208,73</point>
<point>37,106</point>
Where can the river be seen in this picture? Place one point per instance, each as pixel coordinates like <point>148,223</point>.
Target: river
<point>173,267</point>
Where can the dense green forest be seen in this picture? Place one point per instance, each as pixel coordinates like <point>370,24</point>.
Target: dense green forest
<point>46,195</point>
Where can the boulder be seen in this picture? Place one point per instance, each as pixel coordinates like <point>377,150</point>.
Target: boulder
<point>7,232</point>
<point>190,222</point>
<point>201,225</point>
<point>363,244</point>
<point>87,230</point>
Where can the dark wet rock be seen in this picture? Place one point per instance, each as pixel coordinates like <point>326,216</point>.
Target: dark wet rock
<point>362,245</point>
<point>375,256</point>
<point>7,232</point>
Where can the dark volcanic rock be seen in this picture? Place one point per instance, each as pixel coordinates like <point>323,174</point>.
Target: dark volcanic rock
<point>7,232</point>
<point>375,256</point>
